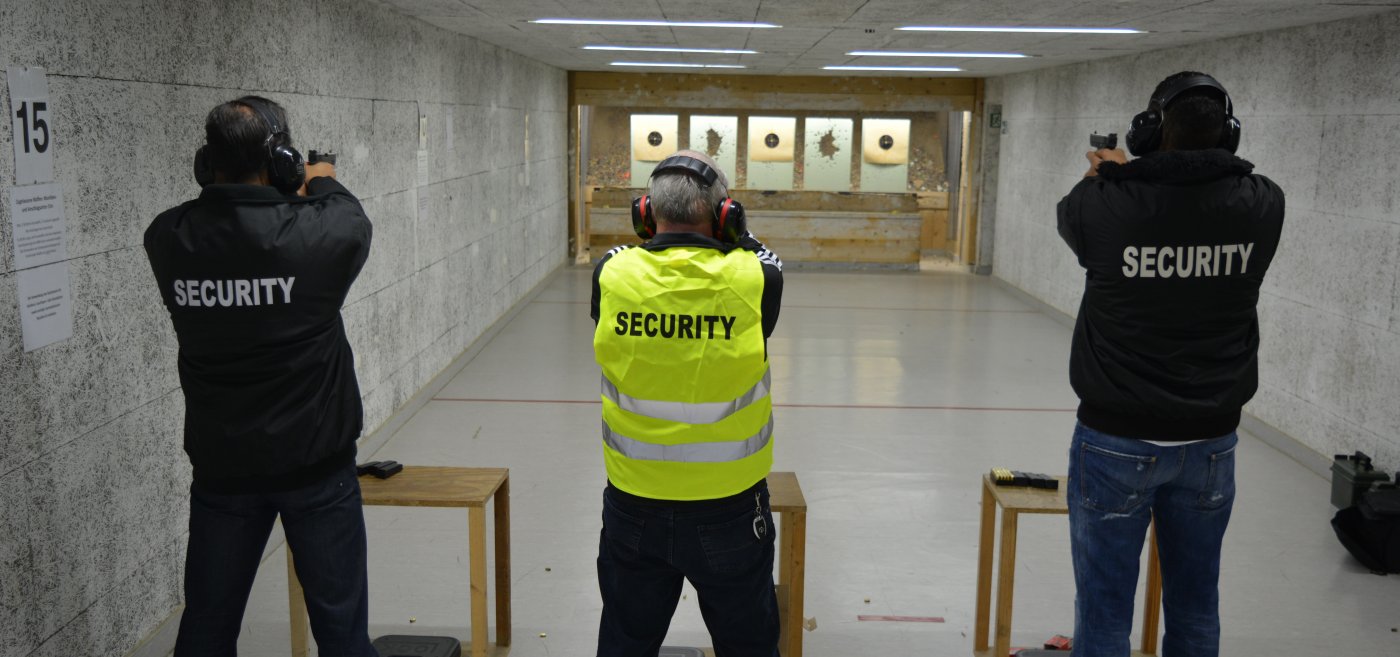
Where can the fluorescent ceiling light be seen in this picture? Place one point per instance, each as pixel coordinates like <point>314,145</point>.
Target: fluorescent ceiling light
<point>711,51</point>
<point>1048,30</point>
<point>632,23</point>
<point>932,69</point>
<point>676,65</point>
<point>895,53</point>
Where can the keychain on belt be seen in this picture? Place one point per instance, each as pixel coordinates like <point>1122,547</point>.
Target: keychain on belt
<point>760,526</point>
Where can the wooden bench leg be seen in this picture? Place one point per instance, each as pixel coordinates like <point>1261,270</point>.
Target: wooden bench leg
<point>792,573</point>
<point>984,570</point>
<point>477,556</point>
<point>296,599</point>
<point>1006,580</point>
<point>502,510</point>
<point>1152,597</point>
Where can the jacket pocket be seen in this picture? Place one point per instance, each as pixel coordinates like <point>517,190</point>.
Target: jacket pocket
<point>1113,482</point>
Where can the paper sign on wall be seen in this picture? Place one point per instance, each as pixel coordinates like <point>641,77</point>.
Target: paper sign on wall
<point>41,253</point>
<point>45,307</point>
<point>32,119</point>
<point>37,221</point>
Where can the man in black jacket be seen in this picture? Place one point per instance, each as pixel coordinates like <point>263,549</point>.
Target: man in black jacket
<point>254,273</point>
<point>1175,245</point>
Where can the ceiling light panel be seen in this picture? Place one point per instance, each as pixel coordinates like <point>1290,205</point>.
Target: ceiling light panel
<point>1020,30</point>
<point>709,51</point>
<point>676,65</point>
<point>926,69</point>
<point>912,53</point>
<point>651,23</point>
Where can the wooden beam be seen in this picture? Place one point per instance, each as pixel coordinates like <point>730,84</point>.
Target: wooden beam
<point>578,235</point>
<point>974,180</point>
<point>777,93</point>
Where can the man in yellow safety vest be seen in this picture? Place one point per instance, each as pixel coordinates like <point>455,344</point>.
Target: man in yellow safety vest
<point>682,326</point>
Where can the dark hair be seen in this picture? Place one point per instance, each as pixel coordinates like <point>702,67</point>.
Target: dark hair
<point>1195,119</point>
<point>237,135</point>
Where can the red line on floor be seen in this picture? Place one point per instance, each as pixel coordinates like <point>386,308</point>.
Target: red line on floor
<point>873,407</point>
<point>902,619</point>
<point>895,407</point>
<point>927,310</point>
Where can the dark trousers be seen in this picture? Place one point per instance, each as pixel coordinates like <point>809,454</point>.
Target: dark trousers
<point>648,547</point>
<point>1116,487</point>
<point>325,526</point>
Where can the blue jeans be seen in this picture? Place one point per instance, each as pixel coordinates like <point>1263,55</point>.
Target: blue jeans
<point>325,526</point>
<point>1116,486</point>
<point>648,547</point>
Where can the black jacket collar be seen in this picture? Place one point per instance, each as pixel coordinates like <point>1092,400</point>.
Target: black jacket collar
<point>668,240</point>
<point>1178,167</point>
<point>218,192</point>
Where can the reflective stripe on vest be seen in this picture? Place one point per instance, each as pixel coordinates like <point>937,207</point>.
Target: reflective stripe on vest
<point>701,413</point>
<point>720,452</point>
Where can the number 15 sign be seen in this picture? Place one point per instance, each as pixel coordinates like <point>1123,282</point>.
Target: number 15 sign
<point>33,134</point>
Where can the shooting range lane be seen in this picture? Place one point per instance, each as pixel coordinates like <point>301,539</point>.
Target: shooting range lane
<point>893,490</point>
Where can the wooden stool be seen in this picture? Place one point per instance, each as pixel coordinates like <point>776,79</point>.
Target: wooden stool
<point>444,487</point>
<point>1017,500</point>
<point>785,498</point>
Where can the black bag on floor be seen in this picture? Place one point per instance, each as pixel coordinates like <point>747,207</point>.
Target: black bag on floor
<point>1370,531</point>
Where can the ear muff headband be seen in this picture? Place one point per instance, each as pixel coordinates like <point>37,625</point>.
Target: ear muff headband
<point>285,168</point>
<point>687,164</point>
<point>1145,133</point>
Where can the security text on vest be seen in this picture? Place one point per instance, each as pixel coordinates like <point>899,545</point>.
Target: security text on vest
<point>692,327</point>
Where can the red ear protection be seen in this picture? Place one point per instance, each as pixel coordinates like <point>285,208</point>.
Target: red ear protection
<point>643,221</point>
<point>729,224</point>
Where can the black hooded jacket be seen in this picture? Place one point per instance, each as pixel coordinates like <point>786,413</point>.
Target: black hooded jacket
<point>254,281</point>
<point>1175,246</point>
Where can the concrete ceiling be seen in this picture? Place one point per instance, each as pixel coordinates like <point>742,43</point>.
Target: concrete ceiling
<point>817,33</point>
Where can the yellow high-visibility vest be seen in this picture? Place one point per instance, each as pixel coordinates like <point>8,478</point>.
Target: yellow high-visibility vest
<point>686,409</point>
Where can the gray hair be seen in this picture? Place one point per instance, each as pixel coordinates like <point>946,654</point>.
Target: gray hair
<point>681,198</point>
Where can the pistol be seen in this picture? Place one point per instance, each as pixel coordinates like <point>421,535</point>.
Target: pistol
<point>316,157</point>
<point>1096,140</point>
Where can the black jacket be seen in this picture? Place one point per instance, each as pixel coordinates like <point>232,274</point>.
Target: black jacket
<point>254,281</point>
<point>1175,246</point>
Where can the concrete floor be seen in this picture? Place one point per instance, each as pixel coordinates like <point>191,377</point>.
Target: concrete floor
<point>894,393</point>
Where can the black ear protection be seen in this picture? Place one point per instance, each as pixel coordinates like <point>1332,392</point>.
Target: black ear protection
<point>285,168</point>
<point>728,223</point>
<point>203,168</point>
<point>1145,134</point>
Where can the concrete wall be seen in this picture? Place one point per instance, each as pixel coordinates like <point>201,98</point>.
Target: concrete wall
<point>93,483</point>
<point>1321,111</point>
